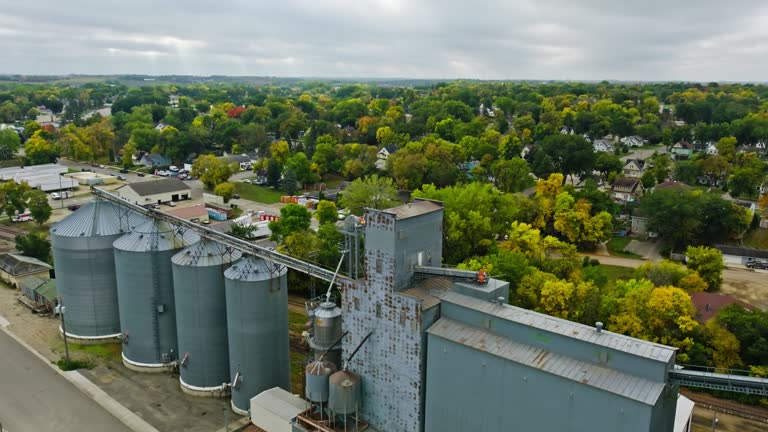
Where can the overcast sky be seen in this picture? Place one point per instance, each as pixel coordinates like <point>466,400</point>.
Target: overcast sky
<point>699,40</point>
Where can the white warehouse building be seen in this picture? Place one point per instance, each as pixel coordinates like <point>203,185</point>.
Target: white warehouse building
<point>154,191</point>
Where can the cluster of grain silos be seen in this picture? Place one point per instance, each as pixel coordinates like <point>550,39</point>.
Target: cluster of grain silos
<point>174,299</point>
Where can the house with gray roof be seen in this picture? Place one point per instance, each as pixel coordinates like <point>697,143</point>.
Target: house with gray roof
<point>14,268</point>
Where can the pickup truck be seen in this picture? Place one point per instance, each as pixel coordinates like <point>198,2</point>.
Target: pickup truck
<point>759,265</point>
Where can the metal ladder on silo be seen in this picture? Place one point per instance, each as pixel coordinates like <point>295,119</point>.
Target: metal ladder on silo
<point>153,242</point>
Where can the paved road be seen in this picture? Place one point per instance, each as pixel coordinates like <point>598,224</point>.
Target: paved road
<point>34,398</point>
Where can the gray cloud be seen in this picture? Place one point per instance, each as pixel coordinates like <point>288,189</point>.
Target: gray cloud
<point>494,39</point>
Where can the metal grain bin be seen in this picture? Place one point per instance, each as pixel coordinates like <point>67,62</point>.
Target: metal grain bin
<point>326,330</point>
<point>145,293</point>
<point>345,392</point>
<point>85,268</point>
<point>257,325</point>
<point>201,316</point>
<point>317,374</point>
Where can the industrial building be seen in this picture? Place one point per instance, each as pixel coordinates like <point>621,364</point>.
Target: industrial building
<point>46,177</point>
<point>399,343</point>
<point>15,268</point>
<point>156,191</point>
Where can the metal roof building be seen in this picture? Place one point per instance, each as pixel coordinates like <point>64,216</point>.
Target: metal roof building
<point>528,365</point>
<point>154,191</point>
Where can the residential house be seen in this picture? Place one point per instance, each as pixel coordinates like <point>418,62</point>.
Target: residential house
<point>527,149</point>
<point>154,160</point>
<point>626,189</point>
<point>384,154</point>
<point>154,191</point>
<point>14,268</point>
<point>633,141</point>
<point>602,145</point>
<point>634,168</point>
<point>711,149</point>
<point>682,150</point>
<point>567,130</point>
<point>160,126</point>
<point>195,213</point>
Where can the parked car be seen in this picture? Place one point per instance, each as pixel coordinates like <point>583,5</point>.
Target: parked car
<point>101,166</point>
<point>141,174</point>
<point>86,170</point>
<point>21,217</point>
<point>171,204</point>
<point>119,177</point>
<point>60,195</point>
<point>758,265</point>
<point>173,168</point>
<point>73,207</point>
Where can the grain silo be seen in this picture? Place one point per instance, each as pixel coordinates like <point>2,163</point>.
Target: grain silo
<point>257,324</point>
<point>85,268</point>
<point>201,316</point>
<point>145,293</point>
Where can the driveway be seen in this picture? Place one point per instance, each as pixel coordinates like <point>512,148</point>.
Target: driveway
<point>647,249</point>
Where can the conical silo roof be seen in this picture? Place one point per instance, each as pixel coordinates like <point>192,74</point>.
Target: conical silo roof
<point>206,253</point>
<point>156,235</point>
<point>252,269</point>
<point>96,219</point>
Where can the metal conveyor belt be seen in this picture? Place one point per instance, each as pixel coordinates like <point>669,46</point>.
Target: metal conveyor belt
<point>718,381</point>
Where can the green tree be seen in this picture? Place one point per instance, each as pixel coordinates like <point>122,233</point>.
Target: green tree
<point>290,183</point>
<point>512,175</point>
<point>568,154</point>
<point>39,209</point>
<point>211,170</point>
<point>225,190</point>
<point>13,197</point>
<point>273,172</point>
<point>708,263</point>
<point>371,192</point>
<point>9,143</point>
<point>326,212</point>
<point>293,219</point>
<point>35,245</point>
<point>300,165</point>
<point>128,151</point>
<point>608,163</point>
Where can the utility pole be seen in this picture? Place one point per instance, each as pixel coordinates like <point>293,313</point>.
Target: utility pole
<point>63,329</point>
<point>715,420</point>
<point>62,194</point>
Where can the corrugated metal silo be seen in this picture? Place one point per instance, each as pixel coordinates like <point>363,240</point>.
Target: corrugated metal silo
<point>257,324</point>
<point>345,392</point>
<point>201,316</point>
<point>326,332</point>
<point>85,268</point>
<point>145,293</point>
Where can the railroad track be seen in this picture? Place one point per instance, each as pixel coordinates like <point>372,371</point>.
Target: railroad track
<point>737,409</point>
<point>10,233</point>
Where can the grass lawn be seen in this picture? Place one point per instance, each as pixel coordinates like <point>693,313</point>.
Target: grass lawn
<point>757,238</point>
<point>616,247</point>
<point>615,272</point>
<point>88,356</point>
<point>257,193</point>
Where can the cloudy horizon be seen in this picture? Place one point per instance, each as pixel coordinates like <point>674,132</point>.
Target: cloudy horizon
<point>543,39</point>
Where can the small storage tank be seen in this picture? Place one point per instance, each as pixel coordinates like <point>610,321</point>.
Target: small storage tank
<point>201,316</point>
<point>85,268</point>
<point>345,392</point>
<point>145,293</point>
<point>326,330</point>
<point>317,374</point>
<point>257,328</point>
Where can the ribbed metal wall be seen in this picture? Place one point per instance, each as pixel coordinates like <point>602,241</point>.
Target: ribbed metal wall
<point>201,313</point>
<point>257,324</point>
<point>85,267</point>
<point>145,291</point>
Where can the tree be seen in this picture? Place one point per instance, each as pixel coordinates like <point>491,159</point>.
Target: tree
<point>9,143</point>
<point>225,190</point>
<point>273,172</point>
<point>128,151</point>
<point>290,182</point>
<point>293,218</point>
<point>326,212</point>
<point>726,147</point>
<point>211,170</point>
<point>39,151</point>
<point>569,155</point>
<point>670,273</point>
<point>708,263</point>
<point>372,192</point>
<point>302,168</point>
<point>751,330</point>
<point>658,314</point>
<point>608,163</point>
<point>13,197</point>
<point>574,221</point>
<point>34,245</point>
<point>512,175</point>
<point>280,151</point>
<point>39,209</point>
